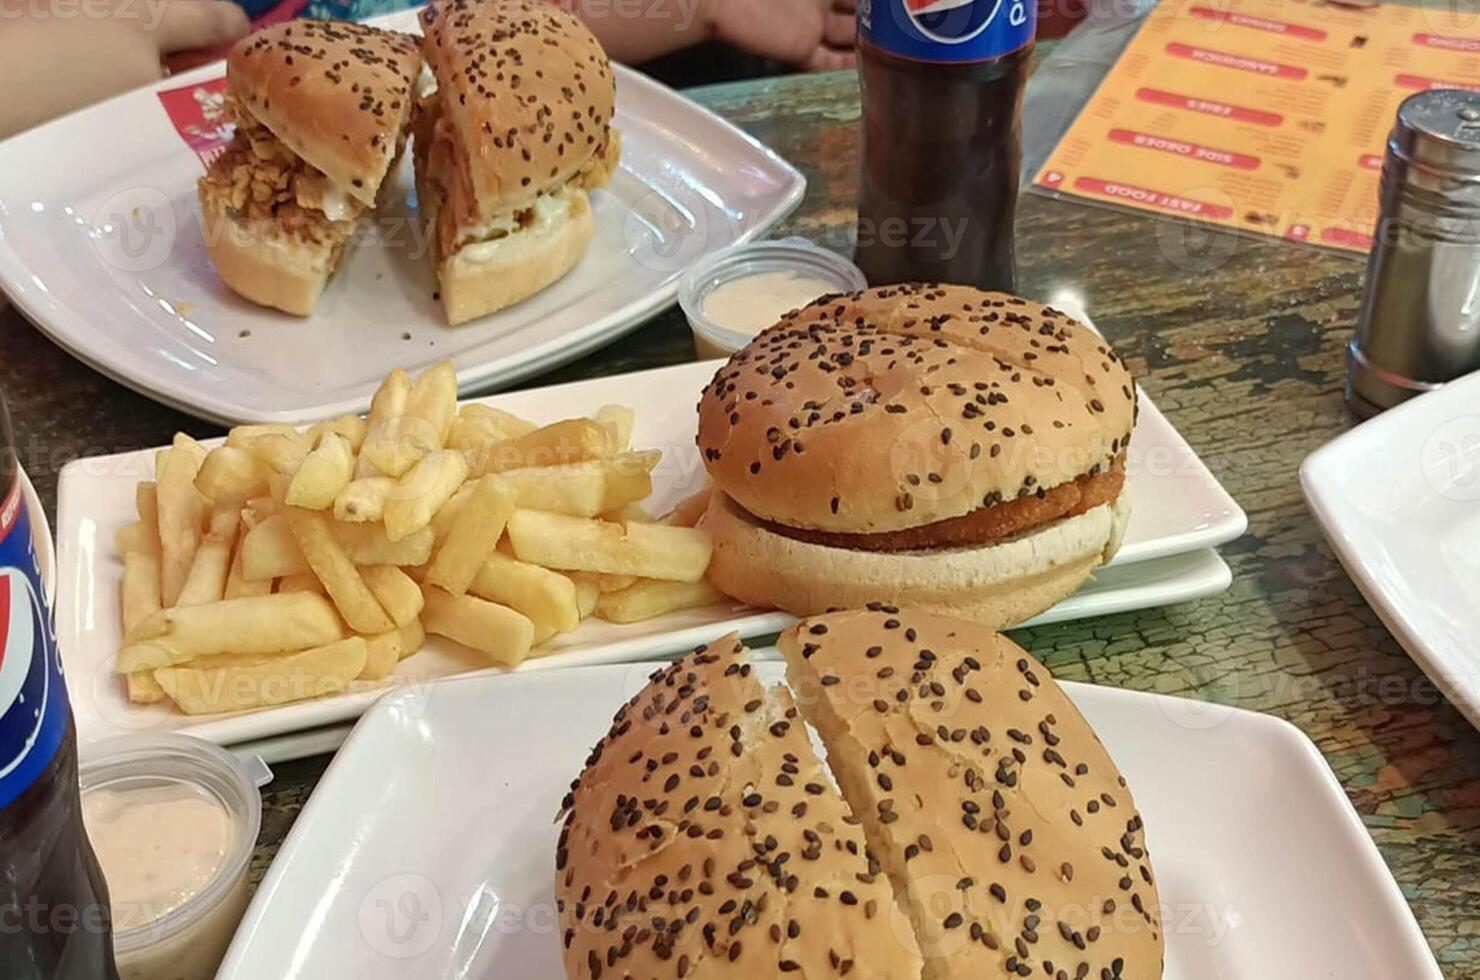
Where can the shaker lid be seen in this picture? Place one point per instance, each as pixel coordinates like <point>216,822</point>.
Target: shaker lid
<point>1440,129</point>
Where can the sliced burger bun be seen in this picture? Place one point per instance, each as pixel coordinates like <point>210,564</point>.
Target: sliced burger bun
<point>961,822</point>
<point>997,585</point>
<point>337,94</point>
<point>256,261</point>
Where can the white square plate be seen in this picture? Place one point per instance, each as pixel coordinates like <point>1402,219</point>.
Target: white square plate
<point>104,254</point>
<point>428,849</point>
<point>1399,499</point>
<point>1178,511</point>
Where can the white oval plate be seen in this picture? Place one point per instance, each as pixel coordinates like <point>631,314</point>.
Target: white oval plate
<point>428,849</point>
<point>104,254</point>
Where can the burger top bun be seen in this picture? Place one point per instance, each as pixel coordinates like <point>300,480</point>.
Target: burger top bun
<point>904,405</point>
<point>985,794</point>
<point>704,839</point>
<point>336,94</point>
<point>528,89</point>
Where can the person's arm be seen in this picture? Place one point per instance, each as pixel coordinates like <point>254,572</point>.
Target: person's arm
<point>809,34</point>
<point>55,61</point>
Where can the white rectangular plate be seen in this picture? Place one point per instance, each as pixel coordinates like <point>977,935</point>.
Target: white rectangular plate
<point>1179,510</point>
<point>1399,499</point>
<point>105,255</point>
<point>428,849</point>
<point>1158,582</point>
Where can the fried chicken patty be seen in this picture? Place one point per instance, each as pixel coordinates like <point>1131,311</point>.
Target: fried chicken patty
<point>984,525</point>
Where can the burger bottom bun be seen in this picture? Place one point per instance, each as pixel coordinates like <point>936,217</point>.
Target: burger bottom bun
<point>256,261</point>
<point>998,585</point>
<point>487,276</point>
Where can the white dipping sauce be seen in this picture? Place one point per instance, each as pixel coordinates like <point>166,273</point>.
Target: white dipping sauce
<point>750,304</point>
<point>159,846</point>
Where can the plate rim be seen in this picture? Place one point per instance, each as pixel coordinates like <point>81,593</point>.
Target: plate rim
<point>1339,811</point>
<point>1324,503</point>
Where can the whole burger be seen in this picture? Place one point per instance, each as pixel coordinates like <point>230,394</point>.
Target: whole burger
<point>957,450</point>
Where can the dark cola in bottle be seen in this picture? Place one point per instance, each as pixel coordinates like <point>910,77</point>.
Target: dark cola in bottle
<point>55,922</point>
<point>942,86</point>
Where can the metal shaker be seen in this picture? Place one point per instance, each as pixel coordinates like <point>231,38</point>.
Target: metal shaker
<point>1420,320</point>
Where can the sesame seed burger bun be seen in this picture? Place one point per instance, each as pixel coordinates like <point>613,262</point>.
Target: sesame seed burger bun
<point>997,585</point>
<point>337,94</point>
<point>259,263</point>
<point>940,445</point>
<point>528,89</point>
<point>1010,835</point>
<point>705,840</point>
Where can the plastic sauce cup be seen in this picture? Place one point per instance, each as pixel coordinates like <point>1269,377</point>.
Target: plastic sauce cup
<point>188,942</point>
<point>795,255</point>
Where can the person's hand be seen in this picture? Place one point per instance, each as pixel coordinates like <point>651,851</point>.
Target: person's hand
<point>61,55</point>
<point>813,35</point>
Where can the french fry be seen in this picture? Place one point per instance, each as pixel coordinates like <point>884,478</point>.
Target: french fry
<point>471,536</point>
<point>584,489</point>
<point>142,688</point>
<point>422,426</point>
<point>363,500</point>
<point>259,509</point>
<point>413,638</point>
<point>352,597</point>
<point>140,590</point>
<point>301,582</point>
<point>367,544</point>
<point>648,598</point>
<point>423,491</point>
<point>381,426</point>
<point>690,509</point>
<point>505,425</point>
<point>382,653</point>
<point>433,400</point>
<point>242,436</point>
<point>207,579</point>
<point>270,551</point>
<point>619,420</point>
<point>631,512</point>
<point>277,488</point>
<point>575,544</point>
<point>136,537</point>
<point>282,448</point>
<point>445,517</point>
<point>568,441</point>
<point>502,635</point>
<point>389,649</point>
<point>235,682</point>
<point>237,585</point>
<point>255,625</point>
<point>146,502</point>
<point>323,475</point>
<point>613,583</point>
<point>351,427</point>
<point>232,473</point>
<point>549,599</point>
<point>397,592</point>
<point>588,593</point>
<point>181,513</point>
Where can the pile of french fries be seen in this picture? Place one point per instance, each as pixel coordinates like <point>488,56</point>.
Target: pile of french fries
<point>288,564</point>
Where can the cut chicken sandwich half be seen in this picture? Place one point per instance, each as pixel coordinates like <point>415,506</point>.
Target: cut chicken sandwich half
<point>322,110</point>
<point>516,134</point>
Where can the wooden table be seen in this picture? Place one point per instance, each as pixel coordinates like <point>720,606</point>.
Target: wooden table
<point>1239,341</point>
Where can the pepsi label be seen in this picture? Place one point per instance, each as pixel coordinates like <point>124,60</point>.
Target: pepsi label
<point>948,30</point>
<point>34,712</point>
